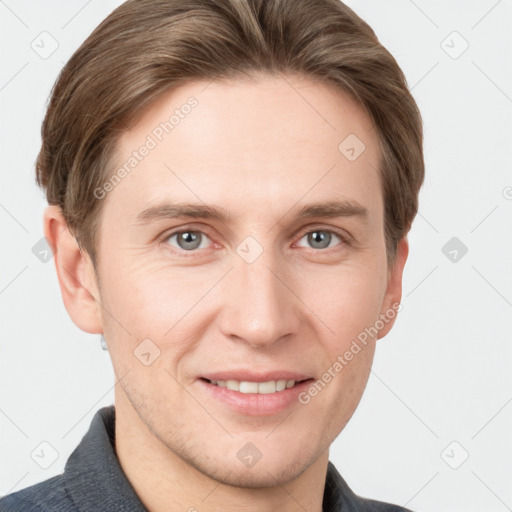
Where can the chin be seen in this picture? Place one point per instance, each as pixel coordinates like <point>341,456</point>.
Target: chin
<point>277,470</point>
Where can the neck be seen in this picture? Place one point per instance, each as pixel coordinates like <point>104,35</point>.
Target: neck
<point>165,482</point>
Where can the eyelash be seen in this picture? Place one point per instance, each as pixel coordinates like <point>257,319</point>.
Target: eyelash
<point>191,253</point>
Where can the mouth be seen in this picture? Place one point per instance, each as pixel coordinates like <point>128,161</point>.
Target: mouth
<point>251,387</point>
<point>253,393</point>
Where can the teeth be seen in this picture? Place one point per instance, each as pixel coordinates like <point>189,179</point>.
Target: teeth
<point>280,385</point>
<point>233,385</point>
<point>272,386</point>
<point>248,387</point>
<point>267,387</point>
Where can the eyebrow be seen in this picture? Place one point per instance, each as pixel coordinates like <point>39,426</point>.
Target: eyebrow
<point>328,209</point>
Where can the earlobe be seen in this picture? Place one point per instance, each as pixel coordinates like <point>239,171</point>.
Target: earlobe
<point>393,295</point>
<point>75,272</point>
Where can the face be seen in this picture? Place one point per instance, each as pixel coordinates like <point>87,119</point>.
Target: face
<point>244,246</point>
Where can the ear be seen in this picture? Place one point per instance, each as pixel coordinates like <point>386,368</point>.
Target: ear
<point>393,296</point>
<point>75,272</point>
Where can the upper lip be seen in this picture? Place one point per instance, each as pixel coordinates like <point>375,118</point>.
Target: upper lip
<point>252,376</point>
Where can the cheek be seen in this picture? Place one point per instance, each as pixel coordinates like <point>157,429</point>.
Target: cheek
<point>168,305</point>
<point>149,296</point>
<point>155,303</point>
<point>347,300</point>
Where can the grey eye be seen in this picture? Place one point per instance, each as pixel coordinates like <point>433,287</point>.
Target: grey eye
<point>321,238</point>
<point>188,240</point>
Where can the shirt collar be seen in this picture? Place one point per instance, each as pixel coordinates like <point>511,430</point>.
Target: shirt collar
<point>94,478</point>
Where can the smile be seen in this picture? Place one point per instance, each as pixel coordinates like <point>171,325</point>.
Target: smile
<point>263,388</point>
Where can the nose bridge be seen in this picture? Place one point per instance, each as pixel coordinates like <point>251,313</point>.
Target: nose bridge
<point>258,307</point>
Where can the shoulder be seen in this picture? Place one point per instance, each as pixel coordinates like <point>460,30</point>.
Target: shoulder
<point>339,496</point>
<point>378,506</point>
<point>360,504</point>
<point>46,496</point>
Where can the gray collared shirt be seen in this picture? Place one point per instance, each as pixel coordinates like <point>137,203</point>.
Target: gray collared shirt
<point>93,481</point>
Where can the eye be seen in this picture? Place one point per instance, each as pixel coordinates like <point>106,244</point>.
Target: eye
<point>188,240</point>
<point>322,238</point>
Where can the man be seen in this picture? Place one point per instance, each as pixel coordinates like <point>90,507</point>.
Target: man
<point>231,184</point>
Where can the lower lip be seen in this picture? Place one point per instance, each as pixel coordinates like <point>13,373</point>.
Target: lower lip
<point>256,404</point>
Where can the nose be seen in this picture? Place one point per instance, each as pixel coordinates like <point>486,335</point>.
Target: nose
<point>259,306</point>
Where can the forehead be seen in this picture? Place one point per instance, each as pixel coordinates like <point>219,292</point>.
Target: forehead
<point>268,143</point>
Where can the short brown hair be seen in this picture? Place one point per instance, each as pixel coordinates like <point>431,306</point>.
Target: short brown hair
<point>146,47</point>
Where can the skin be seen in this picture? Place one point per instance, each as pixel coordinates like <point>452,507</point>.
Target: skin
<point>261,149</point>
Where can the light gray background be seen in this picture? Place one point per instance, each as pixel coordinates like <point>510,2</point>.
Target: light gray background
<point>440,387</point>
